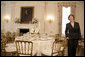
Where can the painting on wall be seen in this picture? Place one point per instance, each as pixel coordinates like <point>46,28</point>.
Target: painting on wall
<point>26,14</point>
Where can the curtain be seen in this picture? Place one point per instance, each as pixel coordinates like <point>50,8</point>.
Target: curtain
<point>65,4</point>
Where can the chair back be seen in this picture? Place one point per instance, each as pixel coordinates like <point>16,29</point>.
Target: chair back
<point>24,47</point>
<point>57,49</point>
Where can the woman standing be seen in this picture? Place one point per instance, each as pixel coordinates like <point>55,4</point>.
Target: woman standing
<point>73,35</point>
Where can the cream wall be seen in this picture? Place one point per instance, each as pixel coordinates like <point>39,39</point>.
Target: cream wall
<point>12,8</point>
<point>80,15</point>
<point>52,9</point>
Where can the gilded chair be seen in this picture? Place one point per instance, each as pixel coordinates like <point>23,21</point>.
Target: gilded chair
<point>57,49</point>
<point>24,48</point>
<point>3,44</point>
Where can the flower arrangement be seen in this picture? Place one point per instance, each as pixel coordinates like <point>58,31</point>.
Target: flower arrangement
<point>16,20</point>
<point>36,30</point>
<point>32,30</point>
<point>34,20</point>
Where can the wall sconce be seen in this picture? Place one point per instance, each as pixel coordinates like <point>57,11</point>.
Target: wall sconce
<point>7,18</point>
<point>50,19</point>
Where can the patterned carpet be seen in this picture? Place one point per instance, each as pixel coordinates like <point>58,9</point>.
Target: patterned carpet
<point>81,53</point>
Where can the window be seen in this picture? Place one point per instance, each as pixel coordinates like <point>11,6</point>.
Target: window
<point>65,13</point>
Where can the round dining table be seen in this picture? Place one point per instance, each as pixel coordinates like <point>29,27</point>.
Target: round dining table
<point>40,44</point>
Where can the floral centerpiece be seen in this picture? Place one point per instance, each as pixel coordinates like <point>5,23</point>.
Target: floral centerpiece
<point>16,20</point>
<point>34,20</point>
<point>31,30</point>
<point>34,31</point>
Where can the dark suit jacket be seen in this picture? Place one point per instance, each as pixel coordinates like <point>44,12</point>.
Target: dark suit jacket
<point>73,33</point>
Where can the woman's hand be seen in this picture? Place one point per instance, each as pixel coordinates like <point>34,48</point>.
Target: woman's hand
<point>67,38</point>
<point>79,42</point>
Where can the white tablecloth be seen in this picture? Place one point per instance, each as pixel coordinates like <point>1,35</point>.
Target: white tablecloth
<point>40,45</point>
<point>43,46</point>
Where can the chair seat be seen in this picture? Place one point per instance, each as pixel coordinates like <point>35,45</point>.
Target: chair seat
<point>10,47</point>
<point>24,55</point>
<point>56,54</point>
<point>47,52</point>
